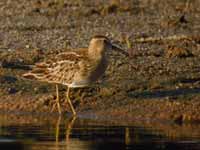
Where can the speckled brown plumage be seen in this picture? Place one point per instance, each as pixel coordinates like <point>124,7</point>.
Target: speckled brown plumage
<point>68,68</point>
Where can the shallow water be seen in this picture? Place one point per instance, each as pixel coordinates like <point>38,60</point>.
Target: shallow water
<point>59,133</point>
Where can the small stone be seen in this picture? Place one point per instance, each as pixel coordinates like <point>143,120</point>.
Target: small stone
<point>178,119</point>
<point>12,90</point>
<point>27,46</point>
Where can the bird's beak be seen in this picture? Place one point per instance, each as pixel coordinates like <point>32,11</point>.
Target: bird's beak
<point>116,48</point>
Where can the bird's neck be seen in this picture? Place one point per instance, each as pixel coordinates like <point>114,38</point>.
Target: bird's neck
<point>95,53</point>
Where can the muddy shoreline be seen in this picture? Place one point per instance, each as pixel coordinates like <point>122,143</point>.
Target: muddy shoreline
<point>159,81</point>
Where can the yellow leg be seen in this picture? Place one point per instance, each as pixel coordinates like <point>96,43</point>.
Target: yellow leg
<point>81,95</point>
<point>69,102</point>
<point>57,101</point>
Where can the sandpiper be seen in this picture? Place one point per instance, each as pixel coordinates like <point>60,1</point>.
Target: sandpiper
<point>75,69</point>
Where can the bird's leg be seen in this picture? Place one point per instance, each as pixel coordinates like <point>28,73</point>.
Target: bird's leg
<point>69,102</point>
<point>81,95</point>
<point>57,101</point>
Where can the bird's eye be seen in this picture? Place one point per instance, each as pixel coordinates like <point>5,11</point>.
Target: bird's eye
<point>105,40</point>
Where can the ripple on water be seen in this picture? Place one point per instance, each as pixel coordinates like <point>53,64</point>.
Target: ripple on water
<point>50,132</point>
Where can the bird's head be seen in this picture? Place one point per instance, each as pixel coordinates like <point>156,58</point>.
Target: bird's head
<point>100,45</point>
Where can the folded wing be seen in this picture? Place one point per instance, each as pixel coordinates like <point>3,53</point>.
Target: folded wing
<point>61,69</point>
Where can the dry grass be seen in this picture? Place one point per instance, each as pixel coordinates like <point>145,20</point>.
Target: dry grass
<point>173,51</point>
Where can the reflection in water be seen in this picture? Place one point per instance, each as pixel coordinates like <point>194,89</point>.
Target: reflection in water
<point>68,130</point>
<point>69,127</point>
<point>127,136</point>
<point>57,133</point>
<point>11,145</point>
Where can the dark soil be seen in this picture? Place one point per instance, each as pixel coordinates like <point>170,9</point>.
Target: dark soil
<point>159,81</point>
